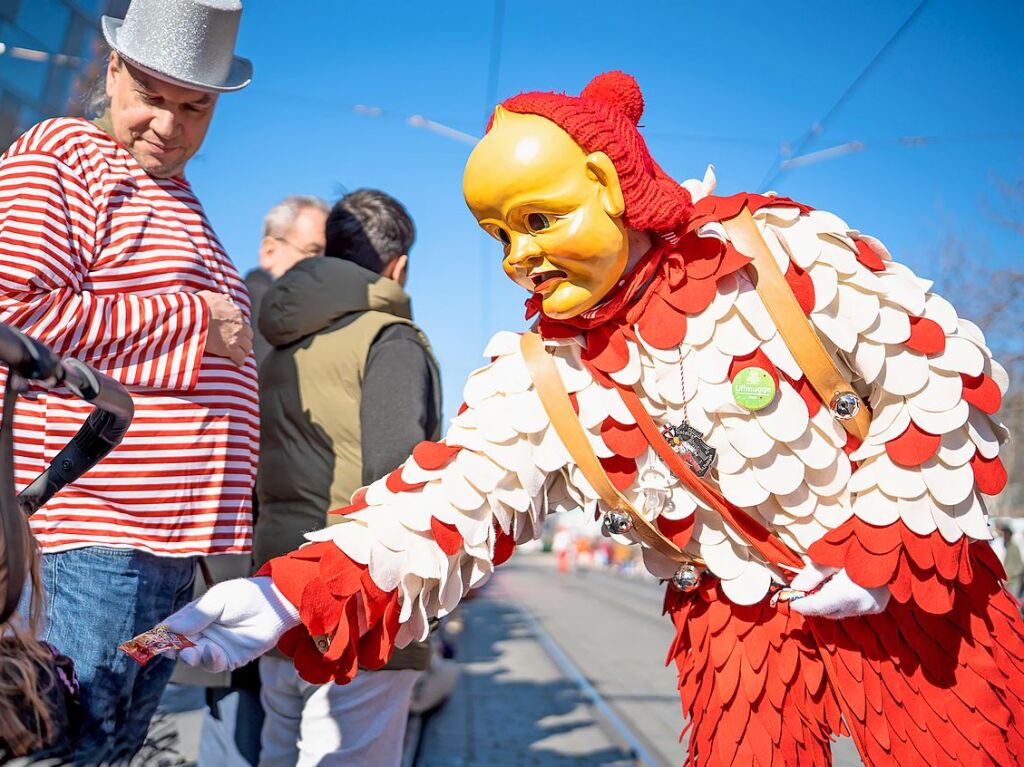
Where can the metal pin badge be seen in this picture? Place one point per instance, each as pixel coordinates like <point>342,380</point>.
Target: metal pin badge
<point>688,444</point>
<point>753,388</point>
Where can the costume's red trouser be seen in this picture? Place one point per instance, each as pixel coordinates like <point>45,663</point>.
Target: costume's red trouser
<point>918,688</point>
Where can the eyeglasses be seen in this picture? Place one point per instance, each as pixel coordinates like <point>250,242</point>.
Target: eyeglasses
<point>304,251</point>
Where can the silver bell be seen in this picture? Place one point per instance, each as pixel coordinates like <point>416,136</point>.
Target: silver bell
<point>686,578</point>
<point>844,405</point>
<point>617,522</point>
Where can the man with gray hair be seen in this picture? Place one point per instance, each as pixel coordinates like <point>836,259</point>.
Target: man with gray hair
<point>348,390</point>
<point>293,230</point>
<point>110,258</point>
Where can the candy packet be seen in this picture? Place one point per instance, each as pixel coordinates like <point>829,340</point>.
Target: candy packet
<point>789,594</point>
<point>786,595</point>
<point>149,644</point>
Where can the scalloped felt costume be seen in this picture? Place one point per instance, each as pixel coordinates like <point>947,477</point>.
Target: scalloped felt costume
<point>936,677</point>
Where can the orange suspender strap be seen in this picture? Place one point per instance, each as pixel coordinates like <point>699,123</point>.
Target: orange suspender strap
<point>557,405</point>
<point>769,546</point>
<point>555,399</point>
<point>821,372</point>
<point>796,330</point>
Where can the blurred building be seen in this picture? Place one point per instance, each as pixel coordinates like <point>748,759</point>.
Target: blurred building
<point>49,57</point>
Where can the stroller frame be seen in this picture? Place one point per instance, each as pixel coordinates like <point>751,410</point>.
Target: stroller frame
<point>29,361</point>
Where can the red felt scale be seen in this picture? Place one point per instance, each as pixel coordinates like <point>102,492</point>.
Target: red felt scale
<point>434,456</point>
<point>982,392</point>
<point>913,447</point>
<point>926,336</point>
<point>802,287</point>
<point>867,256</point>
<point>621,471</point>
<point>679,531</point>
<point>447,536</point>
<point>396,484</point>
<point>624,440</point>
<point>989,474</point>
<point>504,546</point>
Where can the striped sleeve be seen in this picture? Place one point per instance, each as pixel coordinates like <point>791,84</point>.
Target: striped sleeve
<point>47,243</point>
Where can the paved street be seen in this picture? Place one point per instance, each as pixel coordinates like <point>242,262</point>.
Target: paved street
<point>514,706</point>
<point>533,643</point>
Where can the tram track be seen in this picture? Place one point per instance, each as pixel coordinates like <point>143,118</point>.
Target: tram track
<point>591,611</point>
<point>613,600</point>
<point>617,726</point>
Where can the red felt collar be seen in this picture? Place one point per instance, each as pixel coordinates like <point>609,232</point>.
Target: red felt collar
<point>677,278</point>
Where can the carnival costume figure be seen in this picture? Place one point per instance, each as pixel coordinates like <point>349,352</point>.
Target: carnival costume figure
<point>700,428</point>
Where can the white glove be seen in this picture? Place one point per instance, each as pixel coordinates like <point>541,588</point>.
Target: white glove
<point>233,623</point>
<point>838,596</point>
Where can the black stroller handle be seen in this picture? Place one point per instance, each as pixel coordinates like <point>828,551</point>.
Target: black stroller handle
<point>29,360</point>
<point>35,361</point>
<point>26,356</point>
<point>102,431</point>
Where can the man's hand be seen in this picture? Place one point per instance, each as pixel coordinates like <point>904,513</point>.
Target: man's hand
<point>233,623</point>
<point>836,596</point>
<point>228,335</point>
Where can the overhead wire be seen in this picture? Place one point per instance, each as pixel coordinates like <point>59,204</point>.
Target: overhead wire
<point>490,97</point>
<point>458,128</point>
<point>818,127</point>
<point>494,65</point>
<point>447,127</point>
<point>32,54</point>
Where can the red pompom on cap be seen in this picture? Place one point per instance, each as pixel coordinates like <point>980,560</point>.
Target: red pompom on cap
<point>603,118</point>
<point>618,90</point>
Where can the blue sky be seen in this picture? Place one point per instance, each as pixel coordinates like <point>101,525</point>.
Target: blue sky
<point>724,84</point>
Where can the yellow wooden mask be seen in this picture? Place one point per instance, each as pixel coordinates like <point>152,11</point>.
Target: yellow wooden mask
<point>556,209</point>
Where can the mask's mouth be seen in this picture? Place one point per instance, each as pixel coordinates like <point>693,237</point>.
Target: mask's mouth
<point>546,279</point>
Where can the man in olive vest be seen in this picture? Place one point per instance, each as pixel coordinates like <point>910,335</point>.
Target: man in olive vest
<point>293,230</point>
<point>348,390</point>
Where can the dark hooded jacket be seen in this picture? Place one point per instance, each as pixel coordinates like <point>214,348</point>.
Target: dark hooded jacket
<point>347,390</point>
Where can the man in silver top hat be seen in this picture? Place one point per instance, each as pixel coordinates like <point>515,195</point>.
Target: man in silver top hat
<point>109,258</point>
<point>173,53</point>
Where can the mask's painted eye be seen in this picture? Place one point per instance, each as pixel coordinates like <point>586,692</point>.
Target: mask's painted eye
<point>500,234</point>
<point>537,222</point>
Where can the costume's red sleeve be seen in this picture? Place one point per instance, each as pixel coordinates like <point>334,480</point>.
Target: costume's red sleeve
<point>932,452</point>
<point>413,544</point>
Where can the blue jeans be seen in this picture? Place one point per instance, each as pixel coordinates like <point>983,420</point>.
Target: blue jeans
<point>96,598</point>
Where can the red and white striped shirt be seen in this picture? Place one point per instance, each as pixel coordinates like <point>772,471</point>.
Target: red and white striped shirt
<point>103,262</point>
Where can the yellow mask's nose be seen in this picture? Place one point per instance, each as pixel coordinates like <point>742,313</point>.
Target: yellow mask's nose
<point>538,192</point>
<point>522,249</point>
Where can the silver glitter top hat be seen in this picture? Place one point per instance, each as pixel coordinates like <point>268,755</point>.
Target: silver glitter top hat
<point>186,42</point>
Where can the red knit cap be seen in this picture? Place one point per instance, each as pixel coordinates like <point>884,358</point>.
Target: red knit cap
<point>603,118</point>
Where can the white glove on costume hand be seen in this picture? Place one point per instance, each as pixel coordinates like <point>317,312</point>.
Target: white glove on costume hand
<point>233,623</point>
<point>838,596</point>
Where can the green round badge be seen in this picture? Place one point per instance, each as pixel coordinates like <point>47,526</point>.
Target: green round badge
<point>753,388</point>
